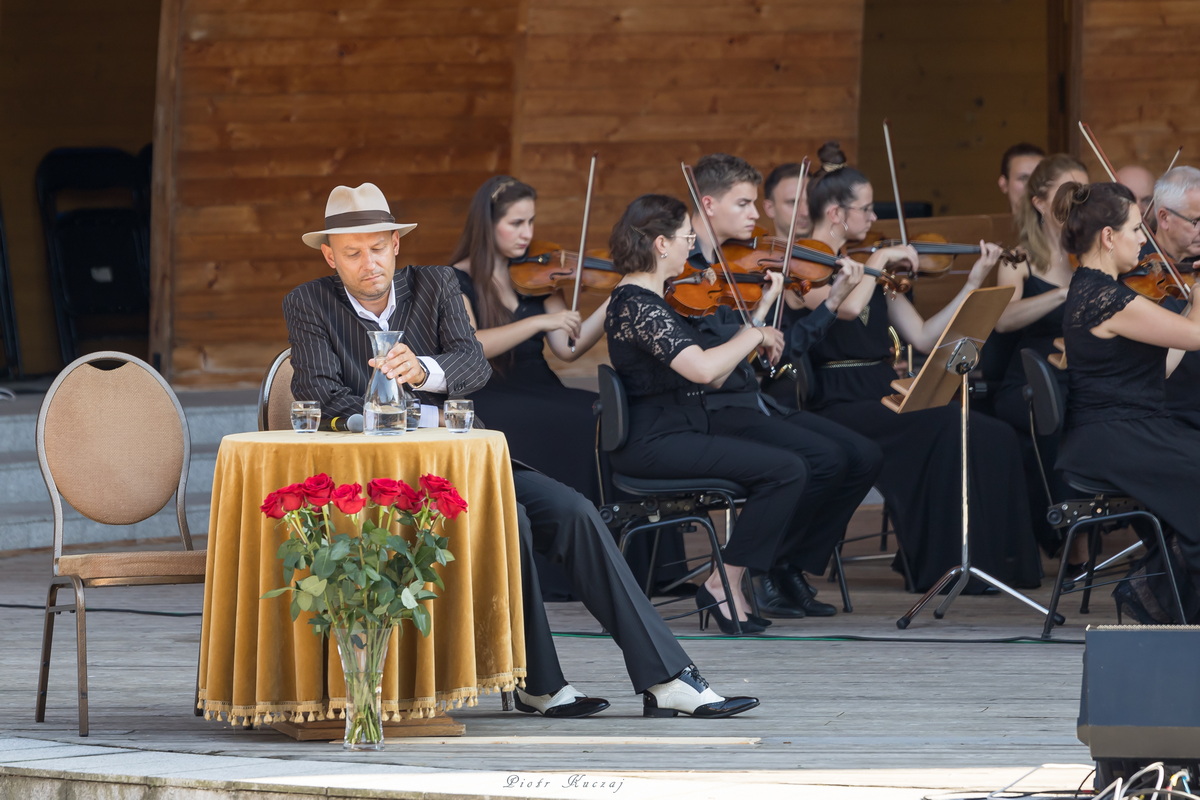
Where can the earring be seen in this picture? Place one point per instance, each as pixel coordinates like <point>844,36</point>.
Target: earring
<point>845,227</point>
<point>662,255</point>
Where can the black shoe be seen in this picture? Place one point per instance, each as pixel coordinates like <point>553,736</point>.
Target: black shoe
<point>772,602</point>
<point>567,702</point>
<point>688,693</point>
<point>708,607</point>
<point>799,593</point>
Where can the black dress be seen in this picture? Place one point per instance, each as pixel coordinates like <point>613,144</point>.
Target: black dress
<point>1118,429</point>
<point>922,461</point>
<point>549,426</point>
<point>673,433</point>
<point>1010,405</point>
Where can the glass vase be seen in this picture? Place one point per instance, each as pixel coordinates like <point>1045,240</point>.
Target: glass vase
<point>384,405</point>
<point>362,649</point>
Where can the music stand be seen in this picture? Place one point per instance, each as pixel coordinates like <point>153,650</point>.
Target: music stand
<point>945,372</point>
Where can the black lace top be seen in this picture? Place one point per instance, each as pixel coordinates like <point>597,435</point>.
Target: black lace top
<point>644,336</point>
<point>1109,379</point>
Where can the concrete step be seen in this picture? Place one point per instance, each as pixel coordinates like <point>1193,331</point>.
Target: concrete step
<point>24,526</point>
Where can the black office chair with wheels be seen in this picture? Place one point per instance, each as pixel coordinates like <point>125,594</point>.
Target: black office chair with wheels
<point>1103,508</point>
<point>661,502</point>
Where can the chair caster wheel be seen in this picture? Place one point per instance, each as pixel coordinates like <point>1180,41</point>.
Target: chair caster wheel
<point>1059,619</point>
<point>902,623</point>
<point>938,615</point>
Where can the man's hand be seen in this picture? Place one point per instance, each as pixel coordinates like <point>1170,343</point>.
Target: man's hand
<point>402,364</point>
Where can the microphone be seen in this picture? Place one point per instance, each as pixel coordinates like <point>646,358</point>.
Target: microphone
<point>351,424</point>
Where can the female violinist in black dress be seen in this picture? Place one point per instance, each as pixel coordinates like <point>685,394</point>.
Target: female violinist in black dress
<point>922,462</point>
<point>1033,319</point>
<point>673,428</point>
<point>1117,427</point>
<point>549,426</point>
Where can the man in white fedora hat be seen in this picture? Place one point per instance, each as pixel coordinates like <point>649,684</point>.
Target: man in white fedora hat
<point>328,319</point>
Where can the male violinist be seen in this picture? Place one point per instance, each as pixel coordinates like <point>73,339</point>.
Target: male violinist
<point>779,201</point>
<point>1177,214</point>
<point>1016,165</point>
<point>328,320</point>
<point>842,465</point>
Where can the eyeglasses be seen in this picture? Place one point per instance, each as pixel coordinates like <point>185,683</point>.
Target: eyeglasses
<point>1195,223</point>
<point>868,209</point>
<point>691,238</point>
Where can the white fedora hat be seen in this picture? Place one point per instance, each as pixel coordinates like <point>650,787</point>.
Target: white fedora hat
<point>361,210</point>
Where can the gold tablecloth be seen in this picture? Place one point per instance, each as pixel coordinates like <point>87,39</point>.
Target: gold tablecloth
<point>257,665</point>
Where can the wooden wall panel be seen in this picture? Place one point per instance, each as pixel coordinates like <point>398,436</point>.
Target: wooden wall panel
<point>276,101</point>
<point>1137,80</point>
<point>959,83</point>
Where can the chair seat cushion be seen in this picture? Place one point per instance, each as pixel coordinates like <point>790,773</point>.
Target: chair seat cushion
<point>1082,483</point>
<point>139,564</point>
<point>653,486</point>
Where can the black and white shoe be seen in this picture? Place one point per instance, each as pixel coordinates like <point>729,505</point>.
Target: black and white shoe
<point>688,693</point>
<point>567,702</point>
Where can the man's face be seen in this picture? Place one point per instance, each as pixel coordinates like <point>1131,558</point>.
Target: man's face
<point>733,214</point>
<point>1013,184</point>
<point>1177,235</point>
<point>780,204</point>
<point>365,262</point>
<point>1140,181</point>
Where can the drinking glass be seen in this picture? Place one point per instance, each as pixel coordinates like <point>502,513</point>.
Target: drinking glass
<point>460,415</point>
<point>413,404</point>
<point>306,416</point>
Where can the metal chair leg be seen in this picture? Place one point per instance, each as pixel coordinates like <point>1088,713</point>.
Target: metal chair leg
<point>39,714</point>
<point>81,654</point>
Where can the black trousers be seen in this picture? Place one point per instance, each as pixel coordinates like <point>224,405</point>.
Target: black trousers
<point>842,468</point>
<point>564,526</point>
<point>692,442</point>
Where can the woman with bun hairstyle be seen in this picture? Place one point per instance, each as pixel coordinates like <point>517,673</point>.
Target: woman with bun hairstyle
<point>1117,427</point>
<point>921,450</point>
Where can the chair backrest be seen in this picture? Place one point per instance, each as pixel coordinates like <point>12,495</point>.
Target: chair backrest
<point>1046,395</point>
<point>275,395</point>
<point>614,410</point>
<point>113,443</point>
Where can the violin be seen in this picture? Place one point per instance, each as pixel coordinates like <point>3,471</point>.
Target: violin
<point>700,292</point>
<point>1152,279</point>
<point>935,254</point>
<point>547,267</point>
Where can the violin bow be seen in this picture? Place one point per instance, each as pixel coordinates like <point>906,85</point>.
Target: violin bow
<point>587,210</point>
<point>1171,166</point>
<point>791,239</point>
<point>1112,176</point>
<point>887,142</point>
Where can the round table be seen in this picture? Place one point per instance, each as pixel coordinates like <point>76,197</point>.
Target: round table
<point>258,666</point>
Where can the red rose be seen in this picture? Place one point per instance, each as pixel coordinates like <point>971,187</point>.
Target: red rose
<point>450,503</point>
<point>292,496</point>
<point>318,489</point>
<point>273,506</point>
<point>383,491</point>
<point>410,499</point>
<point>435,484</point>
<point>348,498</point>
<point>444,495</point>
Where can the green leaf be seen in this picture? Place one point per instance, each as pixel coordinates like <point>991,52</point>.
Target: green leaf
<point>406,597</point>
<point>313,585</point>
<point>304,601</point>
<point>340,549</point>
<point>420,618</point>
<point>276,592</point>
<point>324,564</point>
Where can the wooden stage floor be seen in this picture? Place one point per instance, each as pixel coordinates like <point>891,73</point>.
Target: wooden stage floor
<point>844,695</point>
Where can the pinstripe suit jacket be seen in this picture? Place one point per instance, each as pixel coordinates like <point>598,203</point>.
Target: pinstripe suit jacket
<point>330,345</point>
